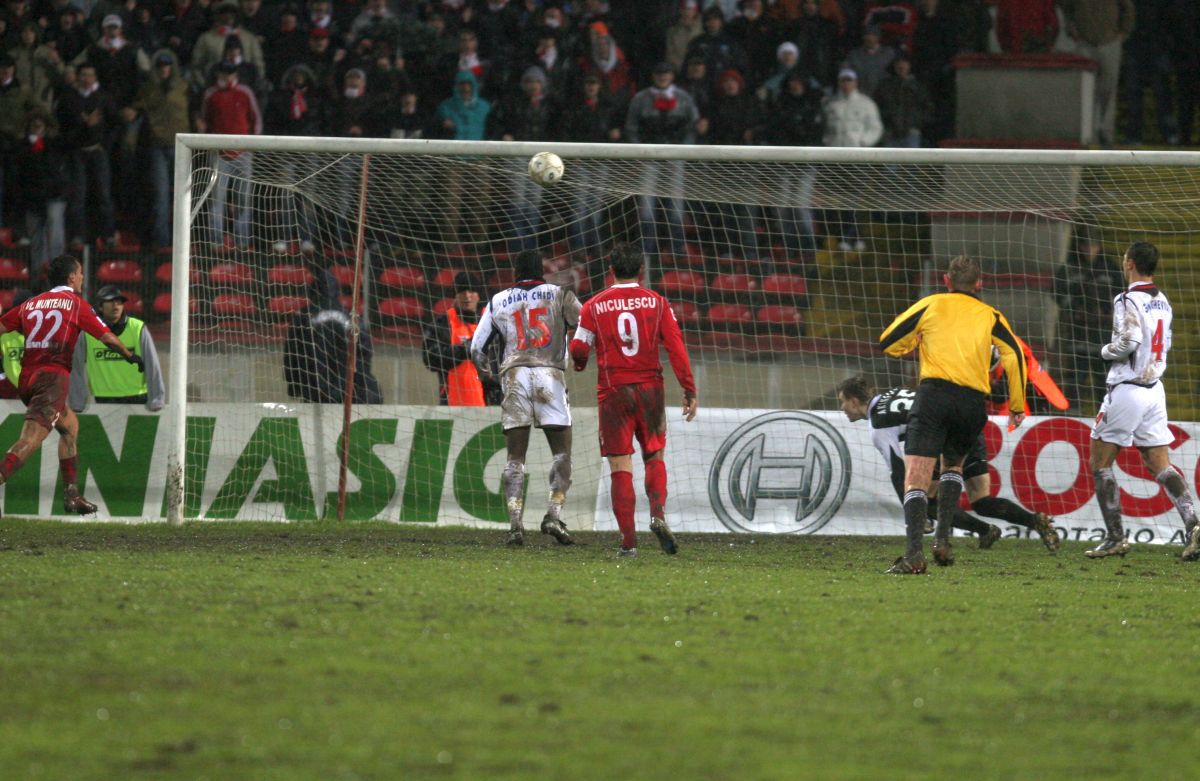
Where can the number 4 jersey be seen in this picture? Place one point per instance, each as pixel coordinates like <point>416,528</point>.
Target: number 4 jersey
<point>532,317</point>
<point>626,324</point>
<point>51,323</point>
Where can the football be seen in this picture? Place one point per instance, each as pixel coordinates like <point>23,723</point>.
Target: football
<point>545,168</point>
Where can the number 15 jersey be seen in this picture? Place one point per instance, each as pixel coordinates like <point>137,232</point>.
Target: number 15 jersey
<point>532,317</point>
<point>626,324</point>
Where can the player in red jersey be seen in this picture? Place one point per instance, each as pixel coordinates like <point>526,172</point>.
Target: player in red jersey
<point>626,324</point>
<point>52,323</point>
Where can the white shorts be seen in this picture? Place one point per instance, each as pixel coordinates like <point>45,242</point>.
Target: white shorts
<point>1133,415</point>
<point>534,396</point>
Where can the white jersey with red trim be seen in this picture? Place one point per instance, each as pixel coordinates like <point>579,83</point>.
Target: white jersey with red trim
<point>532,317</point>
<point>1141,336</point>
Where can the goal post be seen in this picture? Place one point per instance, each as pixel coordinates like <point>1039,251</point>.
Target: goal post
<point>782,264</point>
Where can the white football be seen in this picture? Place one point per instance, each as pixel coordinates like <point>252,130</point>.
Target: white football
<point>545,168</point>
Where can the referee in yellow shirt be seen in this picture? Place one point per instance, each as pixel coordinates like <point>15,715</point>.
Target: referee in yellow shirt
<point>954,333</point>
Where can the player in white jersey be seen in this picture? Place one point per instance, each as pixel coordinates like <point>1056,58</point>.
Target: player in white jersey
<point>1134,411</point>
<point>532,319</point>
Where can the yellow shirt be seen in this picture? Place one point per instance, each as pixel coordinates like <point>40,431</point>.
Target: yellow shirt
<point>955,333</point>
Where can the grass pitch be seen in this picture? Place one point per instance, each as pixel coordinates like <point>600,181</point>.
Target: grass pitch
<point>240,651</point>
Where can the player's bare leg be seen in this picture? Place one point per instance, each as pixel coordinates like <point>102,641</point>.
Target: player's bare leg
<point>1158,462</point>
<point>624,502</point>
<point>979,491</point>
<point>918,474</point>
<point>656,492</point>
<point>31,438</point>
<point>68,436</point>
<point>1108,495</point>
<point>559,439</point>
<point>513,482</point>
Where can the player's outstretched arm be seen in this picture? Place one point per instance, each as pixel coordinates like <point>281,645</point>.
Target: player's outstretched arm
<point>113,343</point>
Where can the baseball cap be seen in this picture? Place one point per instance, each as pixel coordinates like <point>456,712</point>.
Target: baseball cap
<point>847,73</point>
<point>164,58</point>
<point>109,293</point>
<point>112,20</point>
<point>465,280</point>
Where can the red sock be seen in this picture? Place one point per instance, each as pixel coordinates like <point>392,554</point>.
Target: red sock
<point>69,471</point>
<point>9,465</point>
<point>656,486</point>
<point>624,502</point>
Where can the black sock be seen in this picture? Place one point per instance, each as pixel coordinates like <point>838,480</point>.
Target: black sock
<point>916,507</point>
<point>1005,510</point>
<point>964,520</point>
<point>949,489</point>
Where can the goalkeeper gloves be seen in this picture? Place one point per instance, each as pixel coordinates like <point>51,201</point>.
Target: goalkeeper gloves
<point>137,361</point>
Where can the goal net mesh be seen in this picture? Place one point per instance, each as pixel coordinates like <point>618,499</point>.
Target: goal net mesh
<point>782,275</point>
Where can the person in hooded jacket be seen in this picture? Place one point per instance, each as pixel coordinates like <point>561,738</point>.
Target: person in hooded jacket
<point>163,101</point>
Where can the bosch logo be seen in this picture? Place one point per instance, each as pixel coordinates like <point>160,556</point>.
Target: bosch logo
<point>785,472</point>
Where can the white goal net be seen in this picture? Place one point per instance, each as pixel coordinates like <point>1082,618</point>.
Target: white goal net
<point>782,265</point>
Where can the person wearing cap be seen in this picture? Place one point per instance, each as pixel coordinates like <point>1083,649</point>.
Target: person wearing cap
<point>446,350</point>
<point>870,61</point>
<point>662,114</point>
<point>100,371</point>
<point>231,108</point>
<point>12,348</point>
<point>119,63</point>
<point>851,119</point>
<point>164,103</point>
<point>322,56</point>
<point>787,54</point>
<point>607,60</point>
<point>210,46</point>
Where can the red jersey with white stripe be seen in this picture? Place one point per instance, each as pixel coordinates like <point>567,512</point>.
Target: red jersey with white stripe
<point>626,324</point>
<point>51,323</point>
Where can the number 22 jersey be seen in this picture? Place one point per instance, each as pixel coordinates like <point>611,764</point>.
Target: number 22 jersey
<point>51,323</point>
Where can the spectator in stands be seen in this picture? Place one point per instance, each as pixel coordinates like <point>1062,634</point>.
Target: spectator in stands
<point>464,114</point>
<point>408,118</point>
<point>285,45</point>
<point>1098,28</point>
<point>465,58</point>
<point>851,119</point>
<point>817,39</point>
<point>787,55</point>
<point>314,354</point>
<point>181,23</point>
<point>260,20</point>
<point>527,116</point>
<point>163,103</point>
<point>299,107</point>
<point>322,57</point>
<point>69,37</point>
<point>1084,289</point>
<point>758,35</point>
<point>719,51</point>
<point>904,105</point>
<point>735,117</point>
<point>606,60</point>
<point>16,102</point>
<point>320,17</point>
<point>870,61</point>
<point>662,114</point>
<point>896,21</point>
<point>796,118</point>
<point>231,108</point>
<point>104,374</point>
<point>935,44</point>
<point>1148,63</point>
<point>248,74</point>
<point>118,65</point>
<point>698,83</point>
<point>41,167</point>
<point>687,28</point>
<point>554,63</point>
<point>446,350</point>
<point>88,121</point>
<point>592,116</point>
<point>498,25</point>
<point>210,46</point>
<point>39,67</point>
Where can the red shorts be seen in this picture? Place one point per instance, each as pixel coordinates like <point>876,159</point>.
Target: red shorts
<point>45,395</point>
<point>633,411</point>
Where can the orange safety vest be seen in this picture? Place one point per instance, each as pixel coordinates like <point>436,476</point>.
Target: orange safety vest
<point>463,388</point>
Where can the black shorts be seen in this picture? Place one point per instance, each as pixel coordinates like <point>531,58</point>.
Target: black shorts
<point>976,463</point>
<point>946,420</point>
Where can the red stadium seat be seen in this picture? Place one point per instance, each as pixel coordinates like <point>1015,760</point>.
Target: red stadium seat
<point>120,272</point>
<point>502,279</point>
<point>684,283</point>
<point>128,243</point>
<point>343,273</point>
<point>405,277</point>
<point>231,275</point>
<point>779,316</point>
<point>133,302</point>
<point>6,237</point>
<point>687,313</point>
<point>234,305</point>
<point>785,285</point>
<point>730,317</point>
<point>13,270</point>
<point>289,274</point>
<point>402,308</point>
<point>286,306</point>
<point>441,306</point>
<point>162,274</point>
<point>738,284</point>
<point>444,279</point>
<point>162,304</point>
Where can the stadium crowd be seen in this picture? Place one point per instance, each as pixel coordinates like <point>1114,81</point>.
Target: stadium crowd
<point>92,92</point>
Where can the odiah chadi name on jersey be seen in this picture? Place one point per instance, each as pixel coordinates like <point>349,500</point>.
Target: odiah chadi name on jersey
<point>625,304</point>
<point>538,294</point>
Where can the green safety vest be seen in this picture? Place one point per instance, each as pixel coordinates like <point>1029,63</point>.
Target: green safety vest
<point>110,375</point>
<point>12,344</point>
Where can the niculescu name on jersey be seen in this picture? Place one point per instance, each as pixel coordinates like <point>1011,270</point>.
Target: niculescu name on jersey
<point>625,304</point>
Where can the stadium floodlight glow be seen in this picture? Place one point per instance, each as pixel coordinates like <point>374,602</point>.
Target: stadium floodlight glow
<point>783,264</point>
